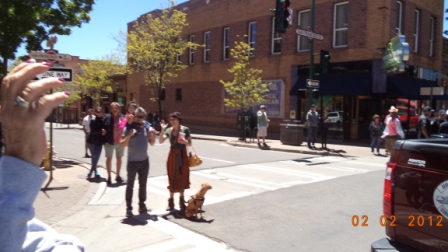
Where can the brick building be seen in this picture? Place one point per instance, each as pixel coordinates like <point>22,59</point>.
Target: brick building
<point>356,34</point>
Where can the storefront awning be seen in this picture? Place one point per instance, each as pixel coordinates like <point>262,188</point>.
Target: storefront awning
<point>344,84</point>
<point>400,86</point>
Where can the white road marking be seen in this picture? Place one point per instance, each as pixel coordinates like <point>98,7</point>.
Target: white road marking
<point>347,169</point>
<point>285,171</point>
<point>219,160</point>
<point>367,163</point>
<point>240,177</point>
<point>236,181</point>
<point>185,236</point>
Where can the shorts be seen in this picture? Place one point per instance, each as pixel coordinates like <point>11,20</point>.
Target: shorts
<point>109,149</point>
<point>87,135</point>
<point>262,131</point>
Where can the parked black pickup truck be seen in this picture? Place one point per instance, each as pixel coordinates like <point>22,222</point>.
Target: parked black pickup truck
<point>415,201</point>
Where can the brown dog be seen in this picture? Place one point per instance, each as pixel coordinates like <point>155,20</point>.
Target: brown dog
<point>196,201</point>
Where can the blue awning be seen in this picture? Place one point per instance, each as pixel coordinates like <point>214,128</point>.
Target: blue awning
<point>346,84</point>
<point>401,86</point>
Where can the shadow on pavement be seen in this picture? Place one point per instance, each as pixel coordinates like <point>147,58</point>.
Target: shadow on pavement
<point>139,220</point>
<point>61,164</point>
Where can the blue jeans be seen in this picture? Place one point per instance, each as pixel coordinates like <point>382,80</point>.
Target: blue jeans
<point>375,142</point>
<point>95,151</point>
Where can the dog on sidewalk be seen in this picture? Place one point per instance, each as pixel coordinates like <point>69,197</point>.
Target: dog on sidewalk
<point>196,201</point>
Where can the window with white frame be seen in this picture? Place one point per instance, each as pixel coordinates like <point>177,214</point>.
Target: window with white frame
<point>340,25</point>
<point>226,44</point>
<point>191,51</point>
<point>431,36</point>
<point>416,29</point>
<point>252,37</point>
<point>276,44</point>
<point>399,17</point>
<point>207,46</point>
<point>304,22</point>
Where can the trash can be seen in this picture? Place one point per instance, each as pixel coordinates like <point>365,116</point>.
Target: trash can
<point>291,133</point>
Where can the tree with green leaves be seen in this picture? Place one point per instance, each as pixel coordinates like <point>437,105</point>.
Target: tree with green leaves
<point>153,47</point>
<point>96,76</point>
<point>246,89</point>
<point>32,22</point>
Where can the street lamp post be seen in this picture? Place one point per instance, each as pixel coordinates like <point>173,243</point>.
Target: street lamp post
<point>311,70</point>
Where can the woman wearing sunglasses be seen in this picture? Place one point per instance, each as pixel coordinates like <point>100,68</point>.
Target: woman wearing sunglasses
<point>95,141</point>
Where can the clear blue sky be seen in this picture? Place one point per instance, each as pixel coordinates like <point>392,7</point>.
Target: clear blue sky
<point>108,17</point>
<point>95,39</point>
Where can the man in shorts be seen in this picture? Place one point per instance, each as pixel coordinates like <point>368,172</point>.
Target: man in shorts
<point>262,125</point>
<point>114,131</point>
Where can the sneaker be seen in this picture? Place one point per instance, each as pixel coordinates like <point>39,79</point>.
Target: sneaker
<point>88,176</point>
<point>109,182</point>
<point>119,179</point>
<point>87,156</point>
<point>265,145</point>
<point>129,213</point>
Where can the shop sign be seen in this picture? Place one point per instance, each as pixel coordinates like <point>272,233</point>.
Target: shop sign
<point>397,51</point>
<point>274,101</point>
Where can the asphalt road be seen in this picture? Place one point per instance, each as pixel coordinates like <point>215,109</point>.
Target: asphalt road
<point>290,202</point>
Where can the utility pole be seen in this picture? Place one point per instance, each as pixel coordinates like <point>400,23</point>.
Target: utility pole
<point>311,70</point>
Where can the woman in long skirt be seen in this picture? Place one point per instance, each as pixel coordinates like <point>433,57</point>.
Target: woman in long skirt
<point>177,164</point>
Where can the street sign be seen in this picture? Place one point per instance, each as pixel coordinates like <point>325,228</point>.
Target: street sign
<point>51,56</point>
<point>312,83</point>
<point>309,34</point>
<point>58,72</point>
<point>290,16</point>
<point>435,90</point>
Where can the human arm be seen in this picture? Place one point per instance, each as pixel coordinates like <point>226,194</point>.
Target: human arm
<point>187,138</point>
<point>162,135</point>
<point>25,141</point>
<point>84,124</point>
<point>423,128</point>
<point>151,136</point>
<point>127,134</point>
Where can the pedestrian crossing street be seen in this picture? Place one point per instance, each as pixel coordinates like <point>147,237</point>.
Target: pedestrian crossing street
<point>236,181</point>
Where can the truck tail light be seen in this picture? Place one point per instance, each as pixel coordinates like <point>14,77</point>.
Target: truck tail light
<point>387,197</point>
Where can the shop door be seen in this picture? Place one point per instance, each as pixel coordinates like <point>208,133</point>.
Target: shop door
<point>364,118</point>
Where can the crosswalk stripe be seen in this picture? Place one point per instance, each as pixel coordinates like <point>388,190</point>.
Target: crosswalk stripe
<point>219,160</point>
<point>285,171</point>
<point>236,181</point>
<point>367,163</point>
<point>243,178</point>
<point>347,169</point>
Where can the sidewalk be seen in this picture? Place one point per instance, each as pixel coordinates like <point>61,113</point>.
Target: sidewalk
<point>94,212</point>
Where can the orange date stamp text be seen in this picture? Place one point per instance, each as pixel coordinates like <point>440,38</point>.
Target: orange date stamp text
<point>413,221</point>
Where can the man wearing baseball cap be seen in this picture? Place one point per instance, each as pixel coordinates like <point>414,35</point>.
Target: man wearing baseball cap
<point>424,125</point>
<point>262,125</point>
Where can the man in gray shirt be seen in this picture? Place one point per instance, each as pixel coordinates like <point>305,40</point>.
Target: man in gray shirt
<point>312,119</point>
<point>137,136</point>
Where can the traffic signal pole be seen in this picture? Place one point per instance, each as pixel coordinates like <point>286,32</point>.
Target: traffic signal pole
<point>311,71</point>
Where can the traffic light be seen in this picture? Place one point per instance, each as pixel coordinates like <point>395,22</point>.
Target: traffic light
<point>303,93</point>
<point>281,15</point>
<point>325,61</point>
<point>315,93</point>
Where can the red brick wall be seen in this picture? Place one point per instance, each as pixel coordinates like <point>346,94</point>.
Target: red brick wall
<point>371,26</point>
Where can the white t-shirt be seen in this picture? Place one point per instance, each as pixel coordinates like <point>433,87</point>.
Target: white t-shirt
<point>86,122</point>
